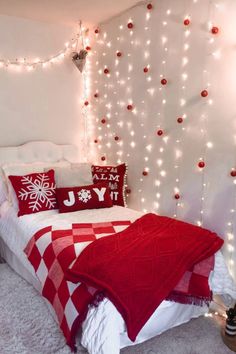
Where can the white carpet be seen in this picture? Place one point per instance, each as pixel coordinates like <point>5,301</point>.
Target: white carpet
<point>26,327</point>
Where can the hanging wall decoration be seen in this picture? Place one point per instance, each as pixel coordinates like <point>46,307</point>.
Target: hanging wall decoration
<point>79,59</point>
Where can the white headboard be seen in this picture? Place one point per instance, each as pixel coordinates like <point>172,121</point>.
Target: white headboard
<point>43,151</point>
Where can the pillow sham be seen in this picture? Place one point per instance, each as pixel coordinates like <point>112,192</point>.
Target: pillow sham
<point>85,197</point>
<point>35,192</point>
<point>116,178</point>
<point>77,174</point>
<point>3,187</point>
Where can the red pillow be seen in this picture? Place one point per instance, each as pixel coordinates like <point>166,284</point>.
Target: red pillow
<point>116,177</point>
<point>35,192</point>
<point>93,196</point>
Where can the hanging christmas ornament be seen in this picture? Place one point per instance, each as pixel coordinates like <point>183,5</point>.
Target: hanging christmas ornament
<point>130,107</point>
<point>180,120</point>
<point>96,31</point>
<point>145,70</point>
<point>86,103</point>
<point>177,196</point>
<point>106,71</point>
<point>96,95</point>
<point>119,54</point>
<point>149,6</point>
<point>88,48</point>
<point>95,141</point>
<point>233,173</point>
<point>163,81</point>
<point>204,93</point>
<point>214,30</point>
<point>103,120</point>
<point>103,158</point>
<point>187,22</point>
<point>160,132</point>
<point>130,25</point>
<point>128,190</point>
<point>145,173</point>
<point>116,138</point>
<point>201,164</point>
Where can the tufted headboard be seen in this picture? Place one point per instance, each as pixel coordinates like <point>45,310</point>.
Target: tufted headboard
<point>42,151</point>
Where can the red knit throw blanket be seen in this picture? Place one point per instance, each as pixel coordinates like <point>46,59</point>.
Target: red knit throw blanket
<point>139,267</point>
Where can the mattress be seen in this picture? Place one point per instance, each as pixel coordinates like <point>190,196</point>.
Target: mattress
<point>16,232</point>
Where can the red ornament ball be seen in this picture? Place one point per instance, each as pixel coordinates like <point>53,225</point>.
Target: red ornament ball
<point>201,164</point>
<point>130,25</point>
<point>88,48</point>
<point>149,6</point>
<point>214,30</point>
<point>119,54</point>
<point>163,81</point>
<point>129,107</point>
<point>95,141</point>
<point>103,158</point>
<point>187,22</point>
<point>233,173</point>
<point>86,103</point>
<point>160,132</point>
<point>103,120</point>
<point>204,93</point>
<point>177,196</point>
<point>96,95</point>
<point>116,138</point>
<point>145,70</point>
<point>145,173</point>
<point>106,71</point>
<point>128,190</point>
<point>96,31</point>
<point>180,120</point>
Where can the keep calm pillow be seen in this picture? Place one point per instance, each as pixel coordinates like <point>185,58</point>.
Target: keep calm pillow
<point>116,178</point>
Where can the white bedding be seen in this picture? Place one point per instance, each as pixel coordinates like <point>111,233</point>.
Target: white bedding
<point>104,329</point>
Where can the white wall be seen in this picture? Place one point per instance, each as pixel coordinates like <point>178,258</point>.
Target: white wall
<point>184,55</point>
<point>44,104</point>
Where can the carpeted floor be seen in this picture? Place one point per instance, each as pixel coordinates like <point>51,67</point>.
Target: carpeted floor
<point>26,327</point>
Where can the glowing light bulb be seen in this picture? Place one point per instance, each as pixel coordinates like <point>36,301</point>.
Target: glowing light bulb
<point>209,144</point>
<point>132,144</point>
<point>163,173</point>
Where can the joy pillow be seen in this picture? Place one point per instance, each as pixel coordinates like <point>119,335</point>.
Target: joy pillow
<point>85,197</point>
<point>116,178</point>
<point>35,192</point>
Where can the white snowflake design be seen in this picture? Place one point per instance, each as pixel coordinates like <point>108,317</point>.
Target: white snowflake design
<point>39,191</point>
<point>84,195</point>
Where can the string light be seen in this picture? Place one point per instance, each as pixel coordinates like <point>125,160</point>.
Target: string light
<point>87,124</point>
<point>185,33</point>
<point>29,65</point>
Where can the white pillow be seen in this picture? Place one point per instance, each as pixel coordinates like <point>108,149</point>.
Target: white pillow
<point>3,187</point>
<point>21,169</point>
<point>78,174</point>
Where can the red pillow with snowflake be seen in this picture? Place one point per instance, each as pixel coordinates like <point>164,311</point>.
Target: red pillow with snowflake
<point>35,192</point>
<point>93,196</point>
<point>116,178</point>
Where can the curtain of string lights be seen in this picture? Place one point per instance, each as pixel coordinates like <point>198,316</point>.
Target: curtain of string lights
<point>162,100</point>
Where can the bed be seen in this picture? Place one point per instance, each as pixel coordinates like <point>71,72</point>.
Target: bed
<point>103,330</point>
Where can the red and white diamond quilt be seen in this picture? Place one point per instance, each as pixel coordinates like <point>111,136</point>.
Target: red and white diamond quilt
<point>51,252</point>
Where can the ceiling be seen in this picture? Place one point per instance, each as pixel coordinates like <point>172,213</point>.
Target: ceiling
<point>67,12</point>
